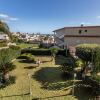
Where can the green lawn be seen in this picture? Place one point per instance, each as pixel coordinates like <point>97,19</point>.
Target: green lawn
<point>46,82</point>
<point>26,45</point>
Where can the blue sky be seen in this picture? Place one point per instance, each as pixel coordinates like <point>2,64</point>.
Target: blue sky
<point>44,16</point>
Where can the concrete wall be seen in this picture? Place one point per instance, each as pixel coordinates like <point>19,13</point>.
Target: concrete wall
<point>72,41</point>
<point>90,31</point>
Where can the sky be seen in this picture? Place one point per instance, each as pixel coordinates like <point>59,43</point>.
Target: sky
<point>44,16</point>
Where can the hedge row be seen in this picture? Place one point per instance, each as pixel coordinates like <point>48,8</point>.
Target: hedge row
<point>43,51</point>
<point>87,51</point>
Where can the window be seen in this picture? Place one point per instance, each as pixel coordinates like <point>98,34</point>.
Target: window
<point>80,31</point>
<point>85,30</point>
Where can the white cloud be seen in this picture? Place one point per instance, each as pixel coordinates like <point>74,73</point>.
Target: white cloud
<point>85,23</point>
<point>6,17</point>
<point>98,17</point>
<point>14,19</point>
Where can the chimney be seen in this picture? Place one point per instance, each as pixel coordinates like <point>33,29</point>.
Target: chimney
<point>82,25</point>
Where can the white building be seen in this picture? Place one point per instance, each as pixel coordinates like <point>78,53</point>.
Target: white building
<point>4,37</point>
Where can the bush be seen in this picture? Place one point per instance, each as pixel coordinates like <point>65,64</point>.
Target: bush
<point>79,63</point>
<point>43,51</point>
<point>15,51</point>
<point>96,78</point>
<point>67,68</point>
<point>86,51</point>
<point>40,45</point>
<point>90,53</point>
<point>28,56</point>
<point>3,44</point>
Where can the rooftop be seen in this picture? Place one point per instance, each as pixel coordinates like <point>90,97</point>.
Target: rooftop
<point>77,27</point>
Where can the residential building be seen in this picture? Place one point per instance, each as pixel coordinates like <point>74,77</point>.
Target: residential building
<point>3,36</point>
<point>72,36</point>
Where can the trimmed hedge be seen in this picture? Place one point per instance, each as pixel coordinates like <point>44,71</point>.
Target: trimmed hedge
<point>43,51</point>
<point>87,51</point>
<point>27,56</point>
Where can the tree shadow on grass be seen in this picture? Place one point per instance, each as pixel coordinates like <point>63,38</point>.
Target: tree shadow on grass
<point>51,78</point>
<point>83,93</point>
<point>59,60</point>
<point>26,61</point>
<point>11,81</point>
<point>30,67</point>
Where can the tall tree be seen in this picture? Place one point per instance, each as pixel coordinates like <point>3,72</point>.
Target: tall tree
<point>4,28</point>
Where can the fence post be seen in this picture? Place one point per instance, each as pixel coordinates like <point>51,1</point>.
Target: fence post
<point>30,91</point>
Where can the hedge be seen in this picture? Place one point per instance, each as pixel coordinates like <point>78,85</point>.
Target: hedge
<point>87,51</point>
<point>43,51</point>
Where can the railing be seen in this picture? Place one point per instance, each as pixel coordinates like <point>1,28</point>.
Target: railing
<point>61,41</point>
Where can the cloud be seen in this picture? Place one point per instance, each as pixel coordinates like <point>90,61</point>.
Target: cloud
<point>14,19</point>
<point>85,23</point>
<point>6,17</point>
<point>98,17</point>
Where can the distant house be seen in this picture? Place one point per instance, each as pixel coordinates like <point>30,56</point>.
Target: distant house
<point>3,36</point>
<point>72,36</point>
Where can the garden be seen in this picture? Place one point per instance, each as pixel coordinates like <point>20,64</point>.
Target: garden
<point>51,80</point>
<point>31,72</point>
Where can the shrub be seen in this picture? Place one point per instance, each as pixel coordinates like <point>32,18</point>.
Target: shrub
<point>43,51</point>
<point>22,56</point>
<point>96,78</point>
<point>15,51</point>
<point>90,53</point>
<point>79,63</point>
<point>3,44</point>
<point>54,51</point>
<point>40,45</point>
<point>28,56</point>
<point>68,67</point>
<point>86,51</point>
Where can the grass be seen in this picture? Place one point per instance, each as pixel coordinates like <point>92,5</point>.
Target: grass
<point>26,45</point>
<point>46,82</point>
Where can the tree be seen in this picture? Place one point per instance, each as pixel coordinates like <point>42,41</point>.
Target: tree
<point>4,28</point>
<point>96,60</point>
<point>87,52</point>
<point>67,67</point>
<point>54,51</point>
<point>6,56</point>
